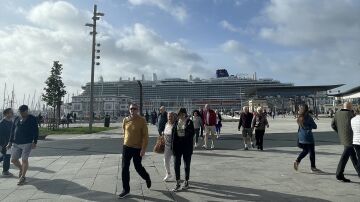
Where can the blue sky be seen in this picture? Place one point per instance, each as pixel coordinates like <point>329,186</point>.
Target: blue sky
<point>300,41</point>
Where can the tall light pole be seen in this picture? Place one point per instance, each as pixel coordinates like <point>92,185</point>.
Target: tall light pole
<point>141,97</point>
<point>96,16</point>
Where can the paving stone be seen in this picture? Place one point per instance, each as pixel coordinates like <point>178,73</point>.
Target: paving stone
<point>216,175</point>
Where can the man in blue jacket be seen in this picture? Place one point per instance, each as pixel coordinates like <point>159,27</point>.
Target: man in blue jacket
<point>24,136</point>
<point>5,130</point>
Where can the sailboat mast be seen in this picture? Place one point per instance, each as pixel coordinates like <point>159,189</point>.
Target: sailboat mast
<point>4,97</point>
<point>33,101</point>
<point>12,98</point>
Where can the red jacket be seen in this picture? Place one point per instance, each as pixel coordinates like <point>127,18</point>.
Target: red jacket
<point>212,118</point>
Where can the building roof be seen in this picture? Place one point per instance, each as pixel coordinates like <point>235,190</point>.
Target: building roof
<point>292,90</point>
<point>348,92</point>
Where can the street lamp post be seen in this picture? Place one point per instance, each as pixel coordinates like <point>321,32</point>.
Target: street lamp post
<point>96,16</point>
<point>141,97</point>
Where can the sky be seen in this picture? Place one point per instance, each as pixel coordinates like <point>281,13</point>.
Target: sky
<point>303,42</point>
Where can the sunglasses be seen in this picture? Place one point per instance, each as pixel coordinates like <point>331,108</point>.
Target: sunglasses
<point>133,108</point>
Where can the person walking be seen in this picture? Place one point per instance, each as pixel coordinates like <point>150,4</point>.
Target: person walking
<point>305,137</point>
<point>5,131</point>
<point>23,138</point>
<point>355,126</point>
<point>201,110</point>
<point>40,119</point>
<point>218,124</point>
<point>260,122</point>
<point>162,120</point>
<point>197,126</point>
<point>182,146</point>
<point>245,122</point>
<point>74,117</point>
<point>153,117</point>
<point>147,116</point>
<point>209,121</point>
<point>341,124</point>
<point>135,143</point>
<point>168,152</point>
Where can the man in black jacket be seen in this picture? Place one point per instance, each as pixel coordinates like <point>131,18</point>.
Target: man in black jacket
<point>162,120</point>
<point>5,130</point>
<point>245,122</point>
<point>24,136</point>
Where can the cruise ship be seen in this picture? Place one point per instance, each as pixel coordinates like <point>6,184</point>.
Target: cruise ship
<point>225,92</point>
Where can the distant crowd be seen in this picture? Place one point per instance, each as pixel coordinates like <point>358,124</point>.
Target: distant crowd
<point>181,132</point>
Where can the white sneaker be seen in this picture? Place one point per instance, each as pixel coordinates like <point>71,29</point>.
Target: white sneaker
<point>204,147</point>
<point>168,178</point>
<point>212,146</point>
<point>196,145</point>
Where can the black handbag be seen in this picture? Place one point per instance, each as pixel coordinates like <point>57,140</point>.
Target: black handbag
<point>300,145</point>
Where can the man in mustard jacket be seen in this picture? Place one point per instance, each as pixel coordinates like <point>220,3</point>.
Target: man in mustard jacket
<point>135,143</point>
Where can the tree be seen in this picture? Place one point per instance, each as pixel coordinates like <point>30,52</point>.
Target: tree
<point>54,90</point>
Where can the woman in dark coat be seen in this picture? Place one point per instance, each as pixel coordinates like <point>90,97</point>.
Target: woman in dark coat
<point>182,146</point>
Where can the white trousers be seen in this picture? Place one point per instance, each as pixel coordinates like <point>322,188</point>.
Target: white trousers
<point>168,153</point>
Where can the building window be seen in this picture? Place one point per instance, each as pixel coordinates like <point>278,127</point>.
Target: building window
<point>77,107</point>
<point>108,106</point>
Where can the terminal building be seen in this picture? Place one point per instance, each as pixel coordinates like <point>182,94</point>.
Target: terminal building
<point>225,92</point>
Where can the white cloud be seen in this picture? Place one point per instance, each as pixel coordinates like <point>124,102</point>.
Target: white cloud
<point>230,27</point>
<point>240,2</point>
<point>226,25</point>
<point>232,46</point>
<point>176,10</point>
<point>311,23</point>
<point>246,59</point>
<point>321,40</point>
<point>27,51</point>
<point>143,50</point>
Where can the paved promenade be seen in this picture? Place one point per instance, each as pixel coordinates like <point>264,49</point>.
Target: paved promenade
<point>88,168</point>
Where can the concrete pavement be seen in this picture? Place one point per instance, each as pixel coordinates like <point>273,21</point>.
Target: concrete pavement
<point>88,168</point>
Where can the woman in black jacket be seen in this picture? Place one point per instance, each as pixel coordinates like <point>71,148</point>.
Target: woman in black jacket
<point>182,146</point>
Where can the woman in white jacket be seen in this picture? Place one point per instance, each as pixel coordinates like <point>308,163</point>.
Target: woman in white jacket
<point>168,153</point>
<point>355,125</point>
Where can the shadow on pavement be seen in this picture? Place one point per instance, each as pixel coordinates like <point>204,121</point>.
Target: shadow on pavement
<point>168,194</point>
<point>298,152</point>
<point>69,188</point>
<point>40,169</point>
<point>220,155</point>
<point>225,192</point>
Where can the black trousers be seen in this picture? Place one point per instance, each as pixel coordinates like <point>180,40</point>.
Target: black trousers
<point>308,148</point>
<point>177,164</point>
<point>349,151</point>
<point>5,159</point>
<point>197,132</point>
<point>357,150</point>
<point>128,154</point>
<point>259,136</point>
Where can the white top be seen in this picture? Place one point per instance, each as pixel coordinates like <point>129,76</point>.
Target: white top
<point>168,135</point>
<point>197,122</point>
<point>355,125</point>
<point>181,128</point>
